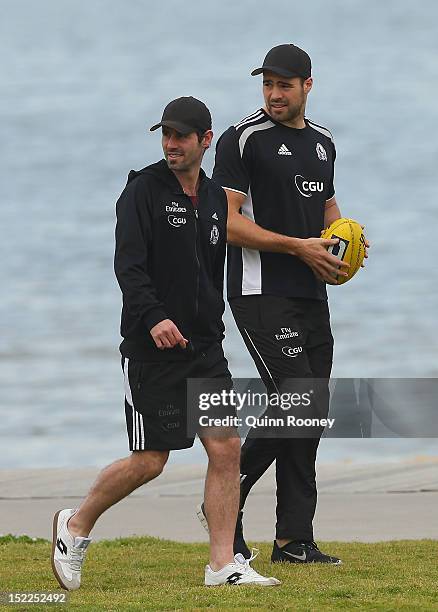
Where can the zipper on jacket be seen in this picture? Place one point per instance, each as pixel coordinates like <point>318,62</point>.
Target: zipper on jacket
<point>197,262</point>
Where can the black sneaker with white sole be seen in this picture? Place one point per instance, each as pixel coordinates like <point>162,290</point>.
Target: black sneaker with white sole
<point>301,552</point>
<point>239,546</point>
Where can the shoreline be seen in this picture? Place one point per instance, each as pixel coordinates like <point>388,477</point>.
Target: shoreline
<point>365,502</point>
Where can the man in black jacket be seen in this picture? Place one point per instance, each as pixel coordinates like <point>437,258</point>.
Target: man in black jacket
<point>169,262</point>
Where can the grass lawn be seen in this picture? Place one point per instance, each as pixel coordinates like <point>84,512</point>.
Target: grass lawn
<point>153,574</point>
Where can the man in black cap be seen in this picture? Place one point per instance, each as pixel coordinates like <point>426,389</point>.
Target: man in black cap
<point>169,262</point>
<point>277,169</point>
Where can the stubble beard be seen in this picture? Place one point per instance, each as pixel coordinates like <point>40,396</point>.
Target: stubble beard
<point>180,164</point>
<point>290,113</point>
<point>185,164</point>
<point>175,164</point>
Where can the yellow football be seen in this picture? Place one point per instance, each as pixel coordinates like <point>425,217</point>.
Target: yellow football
<point>351,245</point>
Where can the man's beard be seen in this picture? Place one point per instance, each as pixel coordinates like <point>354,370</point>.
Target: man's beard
<point>185,164</point>
<point>290,113</point>
<point>177,164</point>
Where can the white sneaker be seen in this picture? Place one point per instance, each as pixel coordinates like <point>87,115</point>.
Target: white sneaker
<point>238,573</point>
<point>68,553</point>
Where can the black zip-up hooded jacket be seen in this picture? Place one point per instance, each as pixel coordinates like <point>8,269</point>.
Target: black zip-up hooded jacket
<point>169,262</point>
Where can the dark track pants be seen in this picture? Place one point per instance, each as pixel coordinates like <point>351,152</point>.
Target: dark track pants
<point>268,324</point>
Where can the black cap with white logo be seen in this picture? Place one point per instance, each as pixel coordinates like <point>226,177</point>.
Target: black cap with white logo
<point>185,115</point>
<point>288,61</point>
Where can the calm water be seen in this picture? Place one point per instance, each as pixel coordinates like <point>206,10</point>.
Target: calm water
<point>80,86</point>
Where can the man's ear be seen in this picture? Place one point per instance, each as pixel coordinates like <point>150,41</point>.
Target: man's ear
<point>206,139</point>
<point>308,85</point>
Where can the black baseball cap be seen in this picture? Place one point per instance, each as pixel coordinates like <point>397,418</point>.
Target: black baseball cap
<point>185,115</point>
<point>288,61</point>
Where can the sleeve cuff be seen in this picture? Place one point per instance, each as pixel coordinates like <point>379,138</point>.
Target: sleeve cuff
<point>154,316</point>
<point>235,190</point>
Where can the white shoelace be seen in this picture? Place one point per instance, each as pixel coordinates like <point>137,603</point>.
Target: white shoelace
<point>77,558</point>
<point>245,563</point>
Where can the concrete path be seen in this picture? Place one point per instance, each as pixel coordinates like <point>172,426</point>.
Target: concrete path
<point>366,503</point>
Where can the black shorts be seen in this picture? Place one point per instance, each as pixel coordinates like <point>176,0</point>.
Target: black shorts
<point>156,397</point>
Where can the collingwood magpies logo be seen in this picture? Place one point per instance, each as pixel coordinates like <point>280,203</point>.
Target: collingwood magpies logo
<point>321,152</point>
<point>214,235</point>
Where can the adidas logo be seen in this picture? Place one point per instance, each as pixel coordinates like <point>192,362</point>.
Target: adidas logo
<point>214,216</point>
<point>283,150</point>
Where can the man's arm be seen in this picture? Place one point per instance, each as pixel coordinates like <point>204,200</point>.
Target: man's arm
<point>219,264</point>
<point>130,265</point>
<point>246,233</point>
<point>331,212</point>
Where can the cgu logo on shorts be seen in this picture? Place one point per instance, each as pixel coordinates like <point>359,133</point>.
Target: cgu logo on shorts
<point>291,352</point>
<point>176,221</point>
<point>307,188</point>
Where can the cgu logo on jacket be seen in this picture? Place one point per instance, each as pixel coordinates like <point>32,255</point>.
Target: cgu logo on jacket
<point>176,221</point>
<point>307,188</point>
